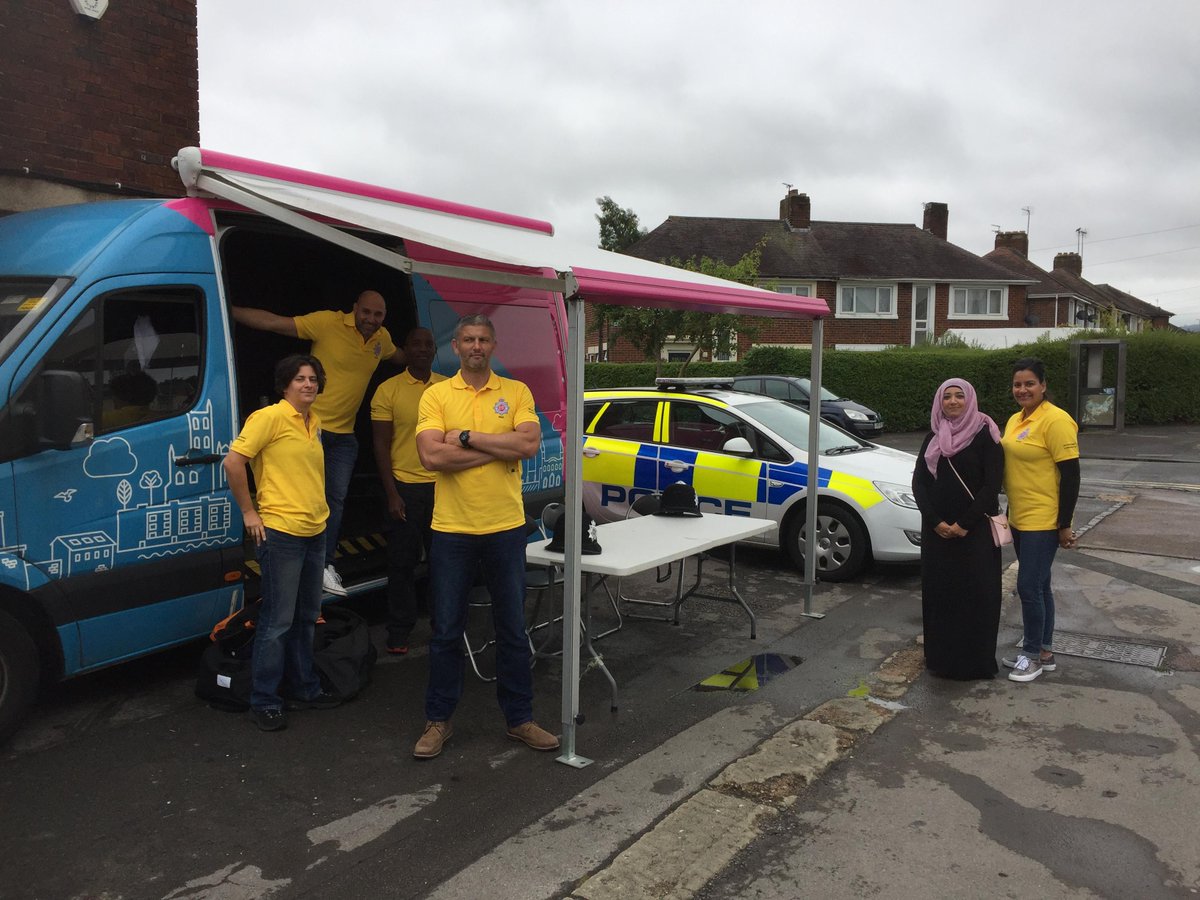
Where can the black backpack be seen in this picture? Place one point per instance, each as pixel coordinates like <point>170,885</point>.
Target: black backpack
<point>343,656</point>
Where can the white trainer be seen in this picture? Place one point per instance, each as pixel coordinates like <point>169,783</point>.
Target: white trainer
<point>332,583</point>
<point>1026,669</point>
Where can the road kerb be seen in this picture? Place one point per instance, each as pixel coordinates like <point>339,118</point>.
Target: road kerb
<point>700,837</point>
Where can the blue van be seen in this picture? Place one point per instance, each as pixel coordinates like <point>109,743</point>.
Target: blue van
<point>123,381</point>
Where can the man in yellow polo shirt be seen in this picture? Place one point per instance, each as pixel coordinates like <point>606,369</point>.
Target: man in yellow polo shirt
<point>349,346</point>
<point>282,445</point>
<point>474,430</point>
<point>407,485</point>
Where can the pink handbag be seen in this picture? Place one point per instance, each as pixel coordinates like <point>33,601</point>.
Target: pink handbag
<point>1001,533</point>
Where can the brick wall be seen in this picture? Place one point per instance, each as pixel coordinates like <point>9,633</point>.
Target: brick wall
<point>94,104</point>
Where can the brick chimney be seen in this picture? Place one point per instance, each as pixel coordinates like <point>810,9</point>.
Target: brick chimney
<point>1016,241</point>
<point>937,219</point>
<point>1070,262</point>
<point>795,209</point>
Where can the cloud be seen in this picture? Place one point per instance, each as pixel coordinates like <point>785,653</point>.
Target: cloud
<point>105,461</point>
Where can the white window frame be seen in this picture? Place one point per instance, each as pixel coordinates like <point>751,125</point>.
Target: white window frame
<point>787,286</point>
<point>841,313</point>
<point>1002,297</point>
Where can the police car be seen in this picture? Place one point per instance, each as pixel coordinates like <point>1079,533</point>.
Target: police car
<point>745,456</point>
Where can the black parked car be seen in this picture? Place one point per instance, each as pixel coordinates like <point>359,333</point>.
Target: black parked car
<point>853,417</point>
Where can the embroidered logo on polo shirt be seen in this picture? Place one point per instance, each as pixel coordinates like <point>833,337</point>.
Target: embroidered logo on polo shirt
<point>378,350</point>
<point>1022,435</point>
<point>501,408</point>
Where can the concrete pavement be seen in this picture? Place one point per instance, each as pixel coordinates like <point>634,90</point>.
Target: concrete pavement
<point>1082,783</point>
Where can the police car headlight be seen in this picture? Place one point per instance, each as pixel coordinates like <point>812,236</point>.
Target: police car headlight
<point>855,416</point>
<point>900,494</point>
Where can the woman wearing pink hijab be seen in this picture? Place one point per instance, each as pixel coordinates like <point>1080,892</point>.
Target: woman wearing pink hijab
<point>956,483</point>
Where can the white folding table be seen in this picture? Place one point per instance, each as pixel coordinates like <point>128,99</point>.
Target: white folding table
<point>635,545</point>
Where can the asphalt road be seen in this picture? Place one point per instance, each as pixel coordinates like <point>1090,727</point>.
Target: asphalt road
<point>124,785</point>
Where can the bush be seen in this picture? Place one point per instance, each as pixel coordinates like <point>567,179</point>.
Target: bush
<point>900,382</point>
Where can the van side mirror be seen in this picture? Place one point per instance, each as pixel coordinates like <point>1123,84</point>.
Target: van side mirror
<point>738,446</point>
<point>64,410</point>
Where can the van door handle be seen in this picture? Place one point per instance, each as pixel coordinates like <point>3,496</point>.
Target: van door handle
<point>591,452</point>
<point>771,482</point>
<point>676,465</point>
<point>206,460</point>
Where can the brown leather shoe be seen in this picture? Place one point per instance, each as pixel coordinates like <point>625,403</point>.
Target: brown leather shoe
<point>533,735</point>
<point>432,739</point>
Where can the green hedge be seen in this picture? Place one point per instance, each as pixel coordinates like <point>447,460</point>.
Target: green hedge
<point>1162,376</point>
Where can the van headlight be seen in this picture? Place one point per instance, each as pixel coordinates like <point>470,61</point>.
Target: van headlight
<point>900,494</point>
<point>855,416</point>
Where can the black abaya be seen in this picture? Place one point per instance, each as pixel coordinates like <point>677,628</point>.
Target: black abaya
<point>960,577</point>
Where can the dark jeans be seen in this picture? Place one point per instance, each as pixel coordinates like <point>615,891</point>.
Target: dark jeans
<point>283,636</point>
<point>1035,556</point>
<point>408,542</point>
<point>341,450</point>
<point>456,559</point>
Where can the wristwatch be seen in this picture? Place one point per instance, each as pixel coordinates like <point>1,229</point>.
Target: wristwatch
<point>464,438</point>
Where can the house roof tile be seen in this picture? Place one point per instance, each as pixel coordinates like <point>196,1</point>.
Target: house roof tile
<point>825,251</point>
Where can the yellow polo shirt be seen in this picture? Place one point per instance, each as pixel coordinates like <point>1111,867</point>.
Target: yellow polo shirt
<point>484,499</point>
<point>349,363</point>
<point>289,468</point>
<point>1032,449</point>
<point>396,401</point>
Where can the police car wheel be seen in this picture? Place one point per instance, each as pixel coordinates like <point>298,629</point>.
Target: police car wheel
<point>841,542</point>
<point>18,674</point>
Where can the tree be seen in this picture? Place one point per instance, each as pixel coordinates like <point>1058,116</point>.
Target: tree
<point>714,333</point>
<point>619,230</point>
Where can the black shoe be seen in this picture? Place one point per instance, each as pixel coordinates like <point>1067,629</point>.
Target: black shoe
<point>323,700</point>
<point>271,719</point>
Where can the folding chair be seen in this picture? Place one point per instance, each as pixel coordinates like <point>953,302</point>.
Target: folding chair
<point>536,579</point>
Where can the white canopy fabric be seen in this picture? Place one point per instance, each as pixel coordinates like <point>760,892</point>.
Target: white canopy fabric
<point>484,235</point>
<point>493,244</point>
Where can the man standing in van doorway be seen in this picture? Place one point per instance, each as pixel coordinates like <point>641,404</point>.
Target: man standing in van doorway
<point>407,485</point>
<point>349,346</point>
<point>474,430</point>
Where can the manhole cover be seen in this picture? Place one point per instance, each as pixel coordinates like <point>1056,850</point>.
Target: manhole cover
<point>1109,649</point>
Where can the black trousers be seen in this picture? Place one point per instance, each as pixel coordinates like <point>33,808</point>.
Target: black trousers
<point>408,542</point>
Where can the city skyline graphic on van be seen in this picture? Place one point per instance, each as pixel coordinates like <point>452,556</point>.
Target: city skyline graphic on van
<point>156,512</point>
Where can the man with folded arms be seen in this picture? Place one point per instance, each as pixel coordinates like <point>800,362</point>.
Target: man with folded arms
<point>474,430</point>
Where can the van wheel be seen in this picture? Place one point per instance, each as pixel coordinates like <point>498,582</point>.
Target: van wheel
<point>841,542</point>
<point>18,674</point>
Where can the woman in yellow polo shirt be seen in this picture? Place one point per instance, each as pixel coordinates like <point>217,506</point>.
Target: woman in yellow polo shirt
<point>282,444</point>
<point>1041,480</point>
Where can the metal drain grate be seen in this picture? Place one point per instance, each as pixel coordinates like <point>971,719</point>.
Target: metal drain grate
<point>1108,649</point>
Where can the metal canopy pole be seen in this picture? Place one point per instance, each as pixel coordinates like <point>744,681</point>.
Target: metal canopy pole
<point>814,468</point>
<point>573,521</point>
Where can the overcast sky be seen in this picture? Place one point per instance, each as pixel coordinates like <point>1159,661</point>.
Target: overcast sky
<point>1086,112</point>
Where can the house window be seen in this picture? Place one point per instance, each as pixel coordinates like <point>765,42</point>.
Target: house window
<point>868,300</point>
<point>795,288</point>
<point>986,301</point>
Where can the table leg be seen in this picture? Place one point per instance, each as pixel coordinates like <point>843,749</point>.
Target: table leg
<point>694,590</point>
<point>587,638</point>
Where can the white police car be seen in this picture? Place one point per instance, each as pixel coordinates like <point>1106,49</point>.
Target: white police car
<point>745,456</point>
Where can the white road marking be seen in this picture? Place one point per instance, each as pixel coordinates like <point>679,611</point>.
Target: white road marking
<point>367,824</point>
<point>246,883</point>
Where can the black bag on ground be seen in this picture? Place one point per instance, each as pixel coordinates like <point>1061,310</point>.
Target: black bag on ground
<point>342,651</point>
<point>224,678</point>
<point>343,657</point>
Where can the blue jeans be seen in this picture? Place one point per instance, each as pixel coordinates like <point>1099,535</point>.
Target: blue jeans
<point>408,541</point>
<point>1035,555</point>
<point>456,560</point>
<point>341,451</point>
<point>283,636</point>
